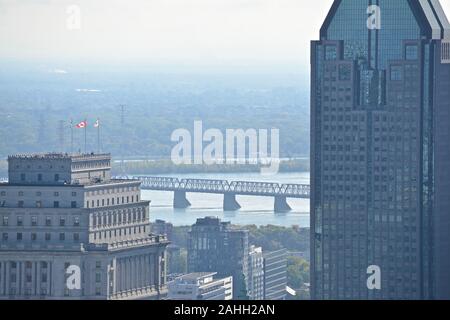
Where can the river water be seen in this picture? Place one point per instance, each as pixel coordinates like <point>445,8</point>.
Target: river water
<point>255,210</point>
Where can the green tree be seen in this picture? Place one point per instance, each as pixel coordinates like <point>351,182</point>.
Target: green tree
<point>297,272</point>
<point>178,261</point>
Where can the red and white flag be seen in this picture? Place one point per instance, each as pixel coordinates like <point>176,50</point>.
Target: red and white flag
<point>81,125</point>
<point>97,123</point>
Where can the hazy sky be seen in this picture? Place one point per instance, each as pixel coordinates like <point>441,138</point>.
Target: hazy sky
<point>190,32</point>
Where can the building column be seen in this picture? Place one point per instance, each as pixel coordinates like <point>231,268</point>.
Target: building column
<point>21,277</point>
<point>129,274</point>
<point>165,267</point>
<point>112,272</point>
<point>7,276</point>
<point>50,278</point>
<point>35,280</point>
<point>140,274</point>
<point>158,270</point>
<point>48,283</point>
<point>152,270</point>
<point>122,275</point>
<point>4,271</point>
<point>118,276</point>
<point>134,274</point>
<point>146,270</point>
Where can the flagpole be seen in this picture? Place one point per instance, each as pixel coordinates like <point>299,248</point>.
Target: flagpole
<point>71,136</point>
<point>98,136</point>
<point>85,137</point>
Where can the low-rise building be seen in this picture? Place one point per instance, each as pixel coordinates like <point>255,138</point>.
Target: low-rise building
<point>201,286</point>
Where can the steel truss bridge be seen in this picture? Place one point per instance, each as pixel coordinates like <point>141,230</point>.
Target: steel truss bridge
<point>230,189</point>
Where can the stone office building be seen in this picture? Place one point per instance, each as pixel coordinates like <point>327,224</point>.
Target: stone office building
<point>69,231</point>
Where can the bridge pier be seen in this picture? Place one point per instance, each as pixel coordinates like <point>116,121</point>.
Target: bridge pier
<point>230,203</point>
<point>281,205</point>
<point>180,201</point>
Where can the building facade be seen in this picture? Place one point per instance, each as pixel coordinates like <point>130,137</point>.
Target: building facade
<point>275,275</point>
<point>213,246</point>
<point>255,281</point>
<point>201,286</point>
<point>380,151</point>
<point>69,231</point>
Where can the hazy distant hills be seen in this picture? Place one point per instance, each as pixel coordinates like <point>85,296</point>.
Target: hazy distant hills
<point>33,101</point>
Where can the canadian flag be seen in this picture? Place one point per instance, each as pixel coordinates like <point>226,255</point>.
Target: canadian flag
<point>81,125</point>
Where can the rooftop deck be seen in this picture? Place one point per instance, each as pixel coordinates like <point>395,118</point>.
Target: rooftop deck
<point>53,156</point>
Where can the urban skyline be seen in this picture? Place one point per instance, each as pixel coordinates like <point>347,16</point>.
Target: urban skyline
<point>71,231</point>
<point>187,104</point>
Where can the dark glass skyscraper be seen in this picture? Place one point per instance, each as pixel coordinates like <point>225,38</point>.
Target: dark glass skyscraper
<point>380,164</point>
<point>214,246</point>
